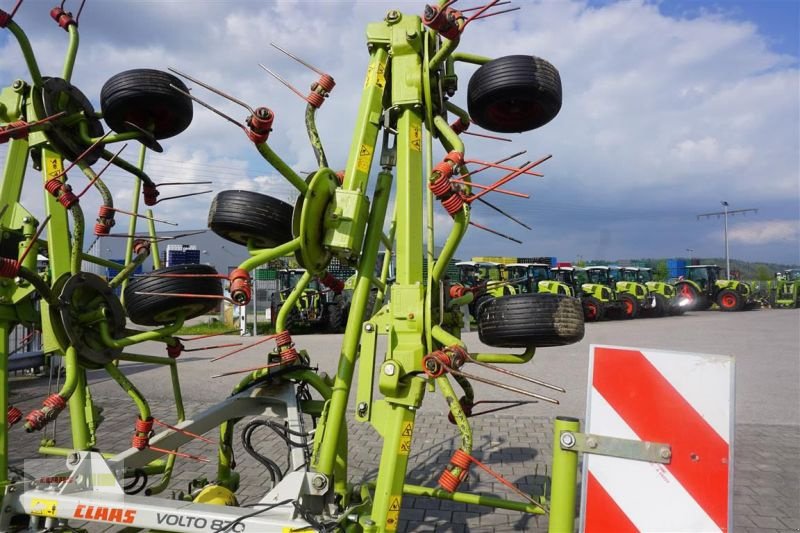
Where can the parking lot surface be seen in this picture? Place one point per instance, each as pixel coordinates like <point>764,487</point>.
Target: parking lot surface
<point>517,443</point>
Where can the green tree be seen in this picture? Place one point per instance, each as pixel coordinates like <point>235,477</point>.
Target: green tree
<point>763,273</point>
<point>660,270</point>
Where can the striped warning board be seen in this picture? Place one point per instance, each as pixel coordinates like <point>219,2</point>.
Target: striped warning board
<point>684,400</point>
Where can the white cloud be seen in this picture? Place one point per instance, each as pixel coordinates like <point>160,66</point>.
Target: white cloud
<point>765,232</point>
<point>660,113</point>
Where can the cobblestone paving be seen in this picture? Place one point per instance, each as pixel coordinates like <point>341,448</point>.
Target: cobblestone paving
<point>766,481</point>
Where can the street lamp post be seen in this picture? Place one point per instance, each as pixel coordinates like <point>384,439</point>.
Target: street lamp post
<point>727,251</point>
<point>725,214</point>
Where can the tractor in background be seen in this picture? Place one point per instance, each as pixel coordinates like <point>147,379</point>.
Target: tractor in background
<point>600,288</point>
<point>703,287</point>
<point>598,300</point>
<point>627,283</point>
<point>668,301</point>
<point>317,307</point>
<point>526,277</point>
<point>787,289</point>
<point>485,279</point>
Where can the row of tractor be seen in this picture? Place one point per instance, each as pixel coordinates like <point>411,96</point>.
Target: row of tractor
<point>624,292</point>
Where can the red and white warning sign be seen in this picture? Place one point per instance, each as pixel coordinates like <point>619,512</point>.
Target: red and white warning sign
<point>680,399</point>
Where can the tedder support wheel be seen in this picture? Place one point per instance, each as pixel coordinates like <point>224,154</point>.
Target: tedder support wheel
<point>630,307</point>
<point>514,94</point>
<point>525,320</point>
<point>662,306</point>
<point>593,309</point>
<point>242,216</point>
<point>156,310</point>
<point>729,300</point>
<point>144,97</point>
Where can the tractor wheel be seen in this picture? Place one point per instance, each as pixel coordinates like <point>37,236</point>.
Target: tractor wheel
<point>242,216</point>
<point>729,300</point>
<point>336,315</point>
<point>593,309</point>
<point>478,303</point>
<point>159,309</point>
<point>662,306</point>
<point>144,97</point>
<point>514,94</point>
<point>697,301</point>
<point>630,306</point>
<point>525,320</point>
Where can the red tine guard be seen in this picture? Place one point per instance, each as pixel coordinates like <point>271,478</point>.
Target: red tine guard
<point>13,415</point>
<point>142,431</point>
<point>259,125</point>
<point>240,286</point>
<point>150,194</point>
<point>51,407</point>
<point>175,350</point>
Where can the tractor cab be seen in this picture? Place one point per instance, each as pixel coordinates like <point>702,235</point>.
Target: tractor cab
<point>703,287</point>
<point>526,276</point>
<point>562,279</point>
<point>704,275</point>
<point>600,275</point>
<point>472,273</point>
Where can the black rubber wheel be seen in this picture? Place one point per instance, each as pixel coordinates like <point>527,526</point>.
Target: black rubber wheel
<point>336,315</point>
<point>157,310</point>
<point>525,320</point>
<point>593,309</point>
<point>514,94</point>
<point>729,300</point>
<point>144,97</point>
<point>239,216</point>
<point>630,306</point>
<point>60,96</point>
<point>662,306</point>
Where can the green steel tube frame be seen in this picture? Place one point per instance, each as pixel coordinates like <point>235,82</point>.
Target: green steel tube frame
<point>399,73</point>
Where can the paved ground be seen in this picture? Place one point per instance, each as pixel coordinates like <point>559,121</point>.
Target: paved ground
<point>767,442</point>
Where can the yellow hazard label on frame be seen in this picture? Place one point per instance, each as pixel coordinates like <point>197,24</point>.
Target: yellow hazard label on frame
<point>364,158</point>
<point>408,429</point>
<point>415,138</point>
<point>43,507</point>
<point>393,516</point>
<point>405,445</point>
<point>54,166</point>
<point>376,75</point>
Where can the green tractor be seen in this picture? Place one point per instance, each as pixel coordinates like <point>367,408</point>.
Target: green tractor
<point>485,279</point>
<point>703,287</point>
<point>787,289</point>
<point>628,283</point>
<point>668,301</point>
<point>598,299</point>
<point>317,307</point>
<point>599,288</point>
<point>526,277</point>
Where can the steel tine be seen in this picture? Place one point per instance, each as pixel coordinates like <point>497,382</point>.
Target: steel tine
<point>517,375</point>
<point>208,106</point>
<point>35,237</point>
<point>212,89</point>
<point>504,386</point>
<point>181,196</point>
<point>484,228</point>
<point>486,203</point>
<point>304,63</point>
<point>283,81</point>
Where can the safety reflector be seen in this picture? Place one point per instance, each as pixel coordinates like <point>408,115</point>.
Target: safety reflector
<point>684,400</point>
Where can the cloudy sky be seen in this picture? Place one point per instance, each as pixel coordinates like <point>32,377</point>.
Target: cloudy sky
<point>669,108</point>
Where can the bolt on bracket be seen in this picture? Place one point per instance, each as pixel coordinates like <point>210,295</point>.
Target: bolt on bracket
<point>637,450</point>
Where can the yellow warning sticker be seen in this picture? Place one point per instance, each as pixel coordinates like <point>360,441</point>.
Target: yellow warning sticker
<point>405,445</point>
<point>376,75</point>
<point>393,516</point>
<point>415,138</point>
<point>43,507</point>
<point>364,158</point>
<point>380,77</point>
<point>54,166</point>
<point>408,429</point>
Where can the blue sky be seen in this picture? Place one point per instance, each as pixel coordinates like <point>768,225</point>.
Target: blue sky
<point>669,108</point>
